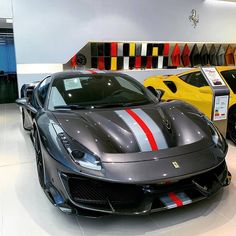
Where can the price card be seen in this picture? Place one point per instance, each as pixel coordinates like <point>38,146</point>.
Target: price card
<point>213,76</point>
<point>221,107</point>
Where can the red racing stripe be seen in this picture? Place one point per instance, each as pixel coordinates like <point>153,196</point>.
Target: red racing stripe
<point>92,71</point>
<point>145,128</point>
<point>175,199</point>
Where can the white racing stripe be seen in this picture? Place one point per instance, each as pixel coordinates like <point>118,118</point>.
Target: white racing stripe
<point>166,200</point>
<point>184,198</point>
<point>91,71</point>
<point>137,131</point>
<point>177,199</point>
<point>156,131</point>
<point>146,132</point>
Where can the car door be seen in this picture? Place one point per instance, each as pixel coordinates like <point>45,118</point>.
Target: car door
<point>27,114</point>
<point>39,97</point>
<point>196,91</point>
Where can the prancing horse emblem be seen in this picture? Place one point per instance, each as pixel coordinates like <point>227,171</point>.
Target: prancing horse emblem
<point>175,164</point>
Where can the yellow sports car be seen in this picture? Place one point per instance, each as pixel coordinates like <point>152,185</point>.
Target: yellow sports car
<point>193,88</point>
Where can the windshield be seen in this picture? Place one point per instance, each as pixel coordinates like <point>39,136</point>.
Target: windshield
<point>230,77</point>
<point>96,91</point>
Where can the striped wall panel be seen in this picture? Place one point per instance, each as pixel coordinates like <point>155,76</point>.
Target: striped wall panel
<point>134,55</point>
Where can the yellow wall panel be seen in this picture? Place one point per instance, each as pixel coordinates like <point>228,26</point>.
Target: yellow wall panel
<point>132,49</point>
<point>114,63</point>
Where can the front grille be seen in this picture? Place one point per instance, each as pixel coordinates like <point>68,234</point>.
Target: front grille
<point>101,195</point>
<point>98,192</point>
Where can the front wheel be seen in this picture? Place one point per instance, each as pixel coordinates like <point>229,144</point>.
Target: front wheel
<point>39,159</point>
<point>24,121</point>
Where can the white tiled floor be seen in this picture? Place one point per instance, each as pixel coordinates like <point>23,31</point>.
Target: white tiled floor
<point>25,210</point>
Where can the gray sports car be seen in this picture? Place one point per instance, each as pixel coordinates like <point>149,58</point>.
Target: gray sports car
<point>106,144</point>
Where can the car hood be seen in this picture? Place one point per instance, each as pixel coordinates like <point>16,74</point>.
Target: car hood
<point>158,128</point>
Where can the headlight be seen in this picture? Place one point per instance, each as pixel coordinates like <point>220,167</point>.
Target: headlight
<point>215,134</point>
<point>78,153</point>
<point>86,160</point>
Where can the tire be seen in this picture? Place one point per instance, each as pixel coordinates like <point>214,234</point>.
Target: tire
<point>232,125</point>
<point>23,120</point>
<point>39,159</point>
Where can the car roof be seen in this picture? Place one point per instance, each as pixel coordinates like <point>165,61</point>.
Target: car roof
<point>72,73</point>
<point>188,71</point>
<point>224,68</point>
<point>219,69</point>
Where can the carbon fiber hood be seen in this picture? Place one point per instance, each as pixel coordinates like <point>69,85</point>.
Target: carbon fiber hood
<point>104,131</point>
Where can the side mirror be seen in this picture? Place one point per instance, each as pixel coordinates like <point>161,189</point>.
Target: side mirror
<point>156,92</point>
<point>24,102</point>
<point>159,93</point>
<point>205,89</point>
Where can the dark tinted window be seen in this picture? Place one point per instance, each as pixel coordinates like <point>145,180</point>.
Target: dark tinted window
<point>171,85</point>
<point>43,89</point>
<point>230,77</point>
<point>195,79</point>
<point>98,89</point>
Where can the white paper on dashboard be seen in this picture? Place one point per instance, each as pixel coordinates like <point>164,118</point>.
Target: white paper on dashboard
<point>71,84</point>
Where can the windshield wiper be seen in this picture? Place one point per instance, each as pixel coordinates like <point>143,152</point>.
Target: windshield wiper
<point>71,107</point>
<point>121,104</point>
<point>107,105</point>
<point>104,105</point>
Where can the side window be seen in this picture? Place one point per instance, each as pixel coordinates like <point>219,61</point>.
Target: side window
<point>127,85</point>
<point>230,77</point>
<point>195,79</point>
<point>43,90</point>
<point>171,85</point>
<point>184,77</point>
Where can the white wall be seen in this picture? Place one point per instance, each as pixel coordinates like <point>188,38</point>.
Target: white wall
<point>5,9</point>
<point>52,31</point>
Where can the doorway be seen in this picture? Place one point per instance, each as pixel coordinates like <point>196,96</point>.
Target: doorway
<point>8,76</point>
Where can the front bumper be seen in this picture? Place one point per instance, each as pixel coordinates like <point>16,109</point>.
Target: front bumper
<point>127,199</point>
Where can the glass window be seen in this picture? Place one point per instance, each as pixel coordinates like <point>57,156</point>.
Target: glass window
<point>171,85</point>
<point>127,85</point>
<point>43,90</point>
<point>195,79</point>
<point>97,90</point>
<point>230,77</point>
